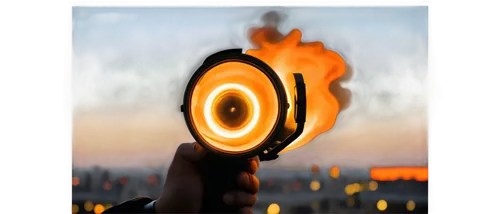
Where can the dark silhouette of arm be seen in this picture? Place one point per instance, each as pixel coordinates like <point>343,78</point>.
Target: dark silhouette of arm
<point>135,205</point>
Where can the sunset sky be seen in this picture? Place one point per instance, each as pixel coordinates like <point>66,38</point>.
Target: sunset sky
<point>130,66</point>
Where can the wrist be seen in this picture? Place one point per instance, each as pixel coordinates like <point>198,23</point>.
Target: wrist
<point>158,208</point>
<point>150,207</point>
<point>163,206</point>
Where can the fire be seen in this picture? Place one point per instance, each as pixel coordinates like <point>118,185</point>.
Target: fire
<point>319,67</point>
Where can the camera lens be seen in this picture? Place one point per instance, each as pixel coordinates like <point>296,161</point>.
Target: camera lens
<point>232,111</point>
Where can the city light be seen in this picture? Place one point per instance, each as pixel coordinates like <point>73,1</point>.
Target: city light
<point>357,187</point>
<point>98,209</point>
<point>75,181</point>
<point>273,209</point>
<point>282,187</point>
<point>88,206</point>
<point>152,179</point>
<point>315,185</point>
<point>315,169</point>
<point>123,180</point>
<point>75,208</point>
<point>107,185</point>
<point>410,205</point>
<point>382,205</point>
<point>349,189</point>
<point>395,173</point>
<point>335,172</point>
<point>373,185</point>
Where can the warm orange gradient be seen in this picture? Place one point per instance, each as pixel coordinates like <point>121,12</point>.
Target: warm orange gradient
<point>113,137</point>
<point>319,66</point>
<point>404,139</point>
<point>149,138</point>
<point>395,173</point>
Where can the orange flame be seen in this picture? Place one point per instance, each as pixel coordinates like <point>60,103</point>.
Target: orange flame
<point>319,67</point>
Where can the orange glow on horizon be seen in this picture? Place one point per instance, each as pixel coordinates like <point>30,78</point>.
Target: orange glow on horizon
<point>395,173</point>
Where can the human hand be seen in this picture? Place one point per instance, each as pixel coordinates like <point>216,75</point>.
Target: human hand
<point>194,180</point>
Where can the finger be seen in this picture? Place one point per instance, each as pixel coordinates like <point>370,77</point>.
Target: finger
<point>239,198</point>
<point>248,182</point>
<point>246,210</point>
<point>253,165</point>
<point>190,152</point>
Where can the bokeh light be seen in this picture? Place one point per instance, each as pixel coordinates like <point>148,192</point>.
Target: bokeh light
<point>98,209</point>
<point>315,185</point>
<point>88,206</point>
<point>152,179</point>
<point>75,208</point>
<point>107,186</point>
<point>410,205</point>
<point>349,189</point>
<point>315,169</point>
<point>335,172</point>
<point>357,187</point>
<point>75,181</point>
<point>123,180</point>
<point>273,209</point>
<point>373,185</point>
<point>382,205</point>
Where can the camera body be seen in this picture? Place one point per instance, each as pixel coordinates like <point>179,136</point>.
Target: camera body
<point>236,106</point>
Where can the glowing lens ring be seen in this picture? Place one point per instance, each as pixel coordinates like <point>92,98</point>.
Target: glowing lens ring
<point>219,130</point>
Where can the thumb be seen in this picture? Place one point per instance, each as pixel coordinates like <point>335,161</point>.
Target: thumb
<point>189,153</point>
<point>185,163</point>
<point>183,170</point>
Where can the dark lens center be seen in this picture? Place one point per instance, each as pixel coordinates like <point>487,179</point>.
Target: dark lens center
<point>232,111</point>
